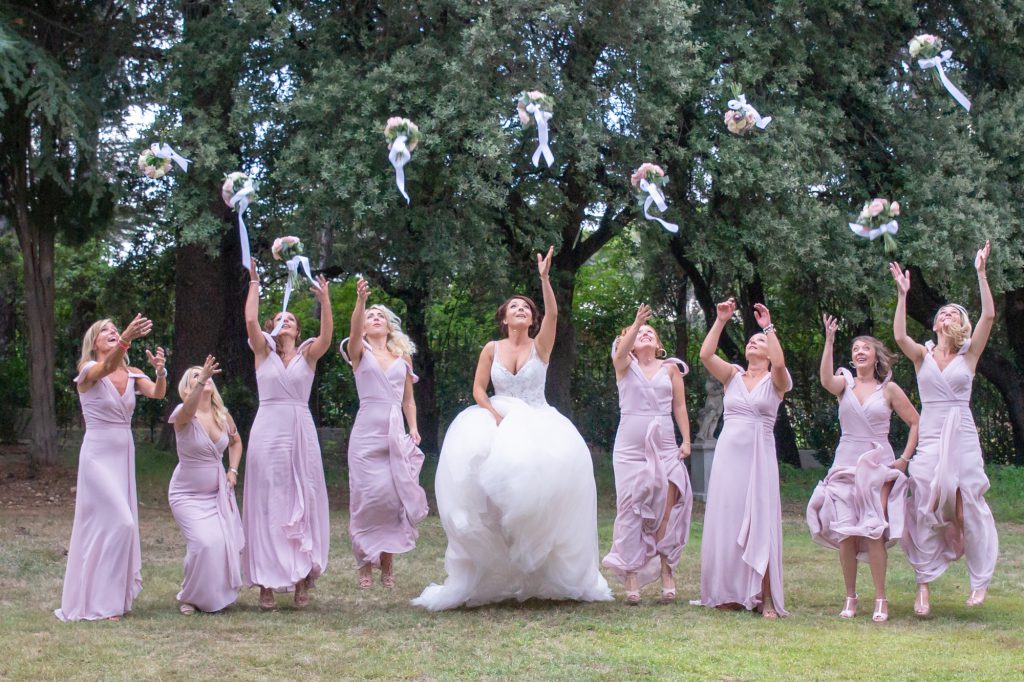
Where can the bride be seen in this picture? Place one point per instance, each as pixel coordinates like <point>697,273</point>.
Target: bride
<point>515,484</point>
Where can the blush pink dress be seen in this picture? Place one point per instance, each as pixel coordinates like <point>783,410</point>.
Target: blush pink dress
<point>742,536</point>
<point>386,501</point>
<point>104,569</point>
<point>284,499</point>
<point>948,459</point>
<point>204,506</point>
<point>647,464</point>
<point>848,503</point>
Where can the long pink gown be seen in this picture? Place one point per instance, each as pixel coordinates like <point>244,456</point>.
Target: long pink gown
<point>284,500</point>
<point>742,536</point>
<point>204,506</point>
<point>104,569</point>
<point>386,500</point>
<point>848,502</point>
<point>647,464</point>
<point>948,459</point>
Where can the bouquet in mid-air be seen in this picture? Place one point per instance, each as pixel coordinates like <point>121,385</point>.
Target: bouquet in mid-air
<point>402,135</point>
<point>878,219</point>
<point>927,50</point>
<point>649,179</point>
<point>155,161</point>
<point>741,117</point>
<point>538,107</point>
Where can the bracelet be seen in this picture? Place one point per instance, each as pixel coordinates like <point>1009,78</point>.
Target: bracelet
<point>906,459</point>
<point>233,470</point>
<point>254,281</point>
<point>769,329</point>
<point>124,346</point>
<point>161,376</point>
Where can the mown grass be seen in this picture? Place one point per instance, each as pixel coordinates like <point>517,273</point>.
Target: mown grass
<point>352,634</point>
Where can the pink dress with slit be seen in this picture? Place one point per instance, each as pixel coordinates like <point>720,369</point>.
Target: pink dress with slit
<point>949,459</point>
<point>848,502</point>
<point>104,569</point>
<point>386,501</point>
<point>284,499</point>
<point>742,536</point>
<point>647,465</point>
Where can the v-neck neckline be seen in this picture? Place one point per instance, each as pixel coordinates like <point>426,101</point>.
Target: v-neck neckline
<point>871,395</point>
<point>113,386</point>
<point>497,360</point>
<point>750,391</point>
<point>199,424</point>
<point>383,369</point>
<point>649,379</point>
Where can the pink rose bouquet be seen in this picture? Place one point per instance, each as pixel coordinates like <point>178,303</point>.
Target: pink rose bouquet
<point>878,219</point>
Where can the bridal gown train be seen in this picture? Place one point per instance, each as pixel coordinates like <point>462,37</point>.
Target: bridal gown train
<point>517,501</point>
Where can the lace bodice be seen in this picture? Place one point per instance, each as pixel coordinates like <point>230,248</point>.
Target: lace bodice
<point>527,384</point>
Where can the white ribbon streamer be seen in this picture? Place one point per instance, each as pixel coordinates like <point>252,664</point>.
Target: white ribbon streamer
<point>541,117</point>
<point>864,231</point>
<point>654,196</point>
<point>293,265</point>
<point>399,155</point>
<point>240,202</point>
<point>936,62</point>
<point>740,104</point>
<point>165,152</point>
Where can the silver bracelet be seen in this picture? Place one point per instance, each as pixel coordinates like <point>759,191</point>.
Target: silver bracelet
<point>769,329</point>
<point>233,470</point>
<point>163,375</point>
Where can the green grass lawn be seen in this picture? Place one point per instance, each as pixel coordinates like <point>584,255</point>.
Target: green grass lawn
<point>348,633</point>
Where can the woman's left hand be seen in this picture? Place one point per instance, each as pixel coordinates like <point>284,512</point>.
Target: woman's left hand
<point>544,263</point>
<point>981,259</point>
<point>684,450</point>
<point>232,479</point>
<point>415,435</point>
<point>158,361</point>
<point>761,315</point>
<point>321,294</point>
<point>900,464</point>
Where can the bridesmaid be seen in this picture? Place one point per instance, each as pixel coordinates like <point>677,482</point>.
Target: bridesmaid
<point>202,498</point>
<point>385,498</point>
<point>947,516</point>
<point>652,486</point>
<point>858,508</point>
<point>104,569</point>
<point>284,501</point>
<point>741,552</point>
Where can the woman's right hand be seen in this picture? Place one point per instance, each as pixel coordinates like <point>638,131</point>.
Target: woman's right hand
<point>362,290</point>
<point>497,417</point>
<point>726,309</point>
<point>137,328</point>
<point>901,277</point>
<point>253,275</point>
<point>831,324</point>
<point>210,368</point>
<point>643,313</point>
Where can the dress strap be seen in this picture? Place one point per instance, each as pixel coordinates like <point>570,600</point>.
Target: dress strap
<point>684,369</point>
<point>847,376</point>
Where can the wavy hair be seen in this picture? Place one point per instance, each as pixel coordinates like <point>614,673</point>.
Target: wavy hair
<point>89,342</point>
<point>958,333</point>
<point>884,358</point>
<point>398,342</point>
<point>188,383</point>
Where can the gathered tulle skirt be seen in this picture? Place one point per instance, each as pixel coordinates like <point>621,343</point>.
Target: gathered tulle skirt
<point>519,506</point>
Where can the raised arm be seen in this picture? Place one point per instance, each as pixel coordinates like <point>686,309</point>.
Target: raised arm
<point>780,375</point>
<point>191,404</point>
<point>912,349</point>
<point>902,406</point>
<point>144,385</point>
<point>679,409</point>
<point>621,357</point>
<point>234,452</point>
<point>137,328</point>
<point>827,373</point>
<point>355,328</point>
<point>321,343</point>
<point>483,378</point>
<point>409,404</point>
<point>546,336</point>
<point>252,316</point>
<point>982,330</point>
<point>719,368</point>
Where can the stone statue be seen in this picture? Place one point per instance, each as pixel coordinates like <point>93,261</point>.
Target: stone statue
<point>707,418</point>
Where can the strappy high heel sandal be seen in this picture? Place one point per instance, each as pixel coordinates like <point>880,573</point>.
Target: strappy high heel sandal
<point>632,597</point>
<point>266,598</point>
<point>922,607</point>
<point>977,597</point>
<point>302,594</point>
<point>186,609</point>
<point>881,613</point>
<point>366,577</point>
<point>849,607</point>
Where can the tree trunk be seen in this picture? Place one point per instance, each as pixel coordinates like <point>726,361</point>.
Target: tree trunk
<point>428,420</point>
<point>37,246</point>
<point>563,355</point>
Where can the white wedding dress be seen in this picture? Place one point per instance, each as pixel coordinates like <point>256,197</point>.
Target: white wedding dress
<point>517,501</point>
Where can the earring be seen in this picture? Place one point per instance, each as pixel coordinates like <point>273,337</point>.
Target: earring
<point>664,354</point>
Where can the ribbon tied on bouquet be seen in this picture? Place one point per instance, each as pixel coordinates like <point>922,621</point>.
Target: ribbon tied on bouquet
<point>402,135</point>
<point>399,156</point>
<point>647,179</point>
<point>284,247</point>
<point>238,192</point>
<point>936,63</point>
<point>891,227</point>
<point>747,110</point>
<point>164,151</point>
<point>536,106</point>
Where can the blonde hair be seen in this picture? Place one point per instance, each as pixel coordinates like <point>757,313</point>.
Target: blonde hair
<point>89,342</point>
<point>958,333</point>
<point>398,343</point>
<point>187,383</point>
<point>884,358</point>
<point>657,338</point>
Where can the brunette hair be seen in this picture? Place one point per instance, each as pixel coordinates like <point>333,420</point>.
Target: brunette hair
<point>268,327</point>
<point>884,358</point>
<point>499,317</point>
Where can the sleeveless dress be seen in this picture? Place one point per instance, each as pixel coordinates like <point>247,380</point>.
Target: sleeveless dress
<point>948,458</point>
<point>646,462</point>
<point>284,500</point>
<point>742,536</point>
<point>517,501</point>
<point>386,501</point>
<point>204,506</point>
<point>848,502</point>
<point>104,569</point>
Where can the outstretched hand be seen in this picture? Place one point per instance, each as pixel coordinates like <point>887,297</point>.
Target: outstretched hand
<point>831,325</point>
<point>362,290</point>
<point>761,315</point>
<point>544,263</point>
<point>726,309</point>
<point>643,313</point>
<point>901,277</point>
<point>320,292</point>
<point>157,360</point>
<point>253,275</point>
<point>137,328</point>
<point>210,368</point>
<point>981,259</point>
